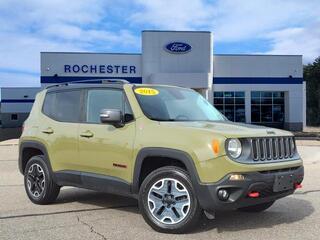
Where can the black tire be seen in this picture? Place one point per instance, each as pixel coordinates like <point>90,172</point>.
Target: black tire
<point>257,208</point>
<point>39,192</point>
<point>189,219</point>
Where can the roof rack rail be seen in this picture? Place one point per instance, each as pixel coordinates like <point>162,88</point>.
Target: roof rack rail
<point>103,81</point>
<point>57,85</point>
<point>121,81</point>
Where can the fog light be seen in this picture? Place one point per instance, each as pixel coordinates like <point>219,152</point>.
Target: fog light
<point>236,177</point>
<point>223,195</point>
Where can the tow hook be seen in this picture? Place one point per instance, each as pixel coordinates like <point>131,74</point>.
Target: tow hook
<point>298,185</point>
<point>254,194</point>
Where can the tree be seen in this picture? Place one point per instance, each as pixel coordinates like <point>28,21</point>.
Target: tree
<point>311,74</point>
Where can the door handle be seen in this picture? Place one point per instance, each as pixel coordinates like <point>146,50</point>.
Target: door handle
<point>48,130</point>
<point>87,134</point>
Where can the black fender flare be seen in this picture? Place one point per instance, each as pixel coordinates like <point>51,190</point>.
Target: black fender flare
<point>37,145</point>
<point>179,155</point>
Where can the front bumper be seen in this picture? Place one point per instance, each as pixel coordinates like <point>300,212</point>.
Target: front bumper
<point>262,182</point>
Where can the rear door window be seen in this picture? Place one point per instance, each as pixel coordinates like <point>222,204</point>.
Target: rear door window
<point>63,106</point>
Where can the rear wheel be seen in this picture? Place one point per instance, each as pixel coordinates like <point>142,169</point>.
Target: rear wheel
<point>167,201</point>
<point>257,208</point>
<point>38,182</point>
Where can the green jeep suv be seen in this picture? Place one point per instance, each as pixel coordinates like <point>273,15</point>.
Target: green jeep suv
<point>165,146</point>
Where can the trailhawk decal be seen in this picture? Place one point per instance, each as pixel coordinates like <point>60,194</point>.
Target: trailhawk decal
<point>146,91</point>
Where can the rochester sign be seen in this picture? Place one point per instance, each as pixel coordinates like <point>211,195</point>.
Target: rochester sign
<point>97,69</point>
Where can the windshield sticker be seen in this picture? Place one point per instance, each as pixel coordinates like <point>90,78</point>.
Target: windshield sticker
<point>146,91</point>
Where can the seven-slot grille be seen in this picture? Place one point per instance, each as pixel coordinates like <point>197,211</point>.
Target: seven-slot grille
<point>272,148</point>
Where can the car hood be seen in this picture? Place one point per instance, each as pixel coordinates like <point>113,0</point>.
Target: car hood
<point>230,129</point>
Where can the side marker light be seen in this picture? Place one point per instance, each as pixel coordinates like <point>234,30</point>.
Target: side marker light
<point>215,146</point>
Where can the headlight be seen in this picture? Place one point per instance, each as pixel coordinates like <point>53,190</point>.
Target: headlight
<point>234,147</point>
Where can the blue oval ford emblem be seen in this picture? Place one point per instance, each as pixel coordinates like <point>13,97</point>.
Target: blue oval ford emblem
<point>178,47</point>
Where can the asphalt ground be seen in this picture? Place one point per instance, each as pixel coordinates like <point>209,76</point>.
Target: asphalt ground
<point>84,214</point>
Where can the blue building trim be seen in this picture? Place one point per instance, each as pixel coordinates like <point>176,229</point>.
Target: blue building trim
<point>63,79</point>
<point>216,80</point>
<point>257,80</point>
<point>17,100</point>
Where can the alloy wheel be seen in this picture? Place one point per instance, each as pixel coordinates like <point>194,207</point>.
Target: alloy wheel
<point>35,180</point>
<point>169,201</point>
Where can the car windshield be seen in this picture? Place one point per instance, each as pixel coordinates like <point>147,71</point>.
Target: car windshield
<point>162,103</point>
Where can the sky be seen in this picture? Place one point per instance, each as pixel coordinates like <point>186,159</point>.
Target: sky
<point>239,26</point>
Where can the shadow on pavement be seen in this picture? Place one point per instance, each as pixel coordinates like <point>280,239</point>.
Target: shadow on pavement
<point>98,199</point>
<point>284,211</point>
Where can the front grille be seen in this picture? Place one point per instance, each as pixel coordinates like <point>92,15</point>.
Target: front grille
<point>272,148</point>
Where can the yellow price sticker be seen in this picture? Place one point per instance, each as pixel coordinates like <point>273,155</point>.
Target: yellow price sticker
<point>146,91</point>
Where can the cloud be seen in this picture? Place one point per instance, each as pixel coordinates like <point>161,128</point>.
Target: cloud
<point>30,27</point>
<point>233,21</point>
<point>173,15</point>
<point>238,20</point>
<point>300,40</point>
<point>17,79</point>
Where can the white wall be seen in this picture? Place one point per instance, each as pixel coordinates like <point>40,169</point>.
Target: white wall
<point>257,66</point>
<point>17,94</point>
<point>192,69</point>
<point>270,67</point>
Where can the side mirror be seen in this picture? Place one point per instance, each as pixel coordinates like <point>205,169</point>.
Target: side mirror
<point>111,116</point>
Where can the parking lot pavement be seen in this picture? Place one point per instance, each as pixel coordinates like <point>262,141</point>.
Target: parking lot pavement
<point>83,214</point>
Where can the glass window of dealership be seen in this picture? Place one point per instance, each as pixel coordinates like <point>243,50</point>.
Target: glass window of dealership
<point>231,104</point>
<point>267,107</point>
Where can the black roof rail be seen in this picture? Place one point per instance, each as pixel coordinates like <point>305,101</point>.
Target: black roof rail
<point>103,81</point>
<point>57,85</point>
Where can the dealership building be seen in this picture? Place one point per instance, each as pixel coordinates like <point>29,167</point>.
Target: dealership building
<point>259,89</point>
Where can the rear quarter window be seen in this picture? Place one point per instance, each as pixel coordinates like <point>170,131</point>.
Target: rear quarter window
<point>63,106</point>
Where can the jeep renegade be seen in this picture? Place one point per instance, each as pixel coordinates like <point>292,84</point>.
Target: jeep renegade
<point>166,146</point>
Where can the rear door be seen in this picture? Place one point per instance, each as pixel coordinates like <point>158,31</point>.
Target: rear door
<point>103,148</point>
<point>59,128</point>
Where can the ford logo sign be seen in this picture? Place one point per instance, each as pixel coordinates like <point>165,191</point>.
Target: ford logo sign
<point>178,47</point>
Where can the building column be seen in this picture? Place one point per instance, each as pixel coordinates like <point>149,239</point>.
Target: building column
<point>207,93</point>
<point>304,105</point>
<point>247,102</point>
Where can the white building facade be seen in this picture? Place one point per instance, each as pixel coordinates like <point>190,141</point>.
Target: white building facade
<point>15,105</point>
<point>259,89</point>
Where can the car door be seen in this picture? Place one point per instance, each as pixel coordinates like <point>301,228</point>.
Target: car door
<point>103,148</point>
<point>59,128</point>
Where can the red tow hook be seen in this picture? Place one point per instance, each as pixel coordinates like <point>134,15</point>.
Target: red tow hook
<point>254,194</point>
<point>297,185</point>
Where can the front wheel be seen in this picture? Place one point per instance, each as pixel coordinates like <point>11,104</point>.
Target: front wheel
<point>257,208</point>
<point>168,202</point>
